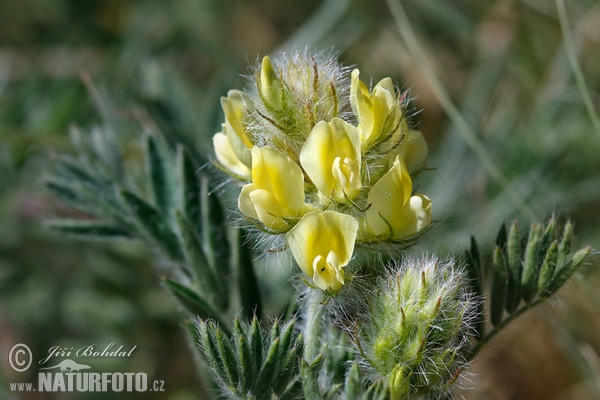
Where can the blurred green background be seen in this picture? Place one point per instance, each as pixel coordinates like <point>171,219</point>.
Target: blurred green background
<point>503,64</point>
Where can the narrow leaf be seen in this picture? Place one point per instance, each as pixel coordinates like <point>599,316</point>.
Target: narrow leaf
<point>153,225</point>
<point>228,356</point>
<point>310,383</point>
<point>515,268</point>
<point>195,258</point>
<point>352,385</point>
<point>244,356</point>
<point>501,238</point>
<point>499,286</point>
<point>568,269</point>
<point>247,282</point>
<point>192,301</point>
<point>157,166</point>
<point>208,345</point>
<point>88,229</point>
<point>190,190</point>
<point>565,244</point>
<point>256,344</point>
<point>269,367</point>
<point>547,270</point>
<point>532,263</point>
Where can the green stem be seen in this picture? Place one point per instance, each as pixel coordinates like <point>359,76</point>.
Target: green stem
<point>499,327</point>
<point>312,327</point>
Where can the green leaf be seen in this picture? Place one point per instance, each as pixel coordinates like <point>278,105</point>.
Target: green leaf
<point>474,273</point>
<point>310,382</point>
<point>568,269</point>
<point>228,356</point>
<point>88,229</point>
<point>159,175</point>
<point>515,268</point>
<point>547,270</point>
<point>256,344</point>
<point>244,355</point>
<point>352,384</point>
<point>153,225</point>
<point>195,258</point>
<point>531,263</point>
<point>501,238</point>
<point>247,282</point>
<point>499,286</point>
<point>208,345</point>
<point>377,391</point>
<point>565,244</point>
<point>269,368</point>
<point>192,301</point>
<point>215,237</point>
<point>189,187</point>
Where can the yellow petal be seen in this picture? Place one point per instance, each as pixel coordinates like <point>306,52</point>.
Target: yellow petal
<point>226,156</point>
<point>331,159</point>
<point>277,189</point>
<point>322,245</point>
<point>415,216</point>
<point>236,106</point>
<point>387,199</point>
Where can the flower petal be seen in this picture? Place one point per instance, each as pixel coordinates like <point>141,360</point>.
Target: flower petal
<point>235,106</point>
<point>387,199</point>
<point>227,157</point>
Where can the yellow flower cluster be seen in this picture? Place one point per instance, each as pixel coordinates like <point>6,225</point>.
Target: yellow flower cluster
<point>325,160</point>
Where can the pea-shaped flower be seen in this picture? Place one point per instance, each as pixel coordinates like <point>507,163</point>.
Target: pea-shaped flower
<point>227,157</point>
<point>331,159</point>
<point>322,245</point>
<point>379,113</point>
<point>235,106</point>
<point>393,213</point>
<point>276,195</point>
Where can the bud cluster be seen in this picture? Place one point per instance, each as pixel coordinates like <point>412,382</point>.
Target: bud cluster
<point>325,161</point>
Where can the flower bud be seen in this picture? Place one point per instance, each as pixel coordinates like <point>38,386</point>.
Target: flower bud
<point>417,325</point>
<point>270,87</point>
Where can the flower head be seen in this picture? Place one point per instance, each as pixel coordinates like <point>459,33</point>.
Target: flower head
<point>325,159</point>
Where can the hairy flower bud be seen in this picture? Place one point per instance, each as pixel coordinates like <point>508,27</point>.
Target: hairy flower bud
<point>417,326</point>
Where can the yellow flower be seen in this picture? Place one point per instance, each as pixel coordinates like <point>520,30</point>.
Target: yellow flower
<point>236,107</point>
<point>227,157</point>
<point>331,159</point>
<point>276,193</point>
<point>379,113</point>
<point>393,213</point>
<point>322,245</point>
